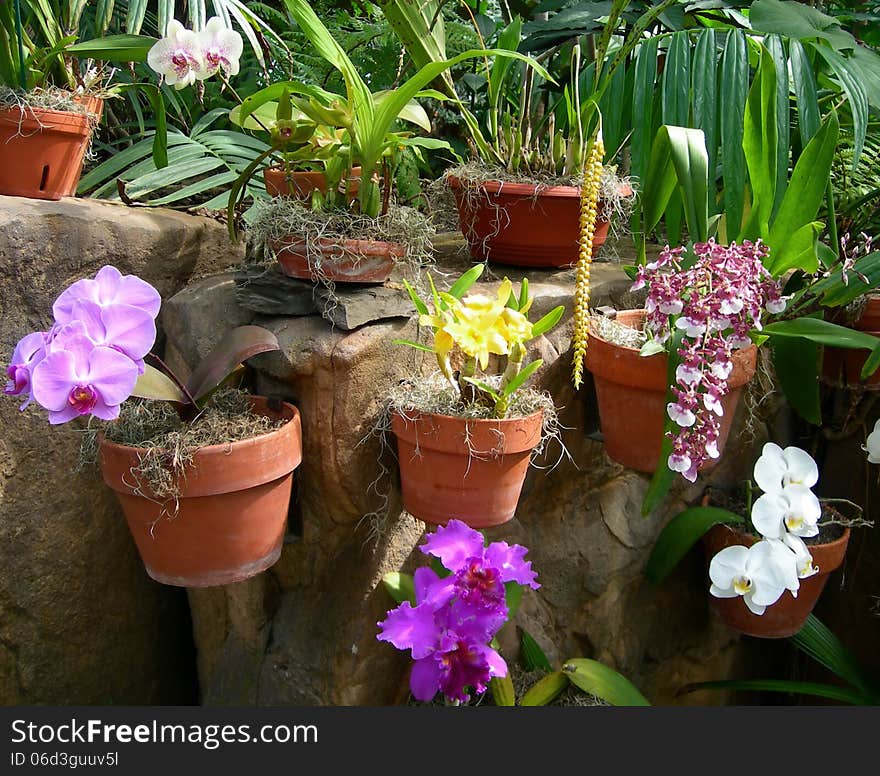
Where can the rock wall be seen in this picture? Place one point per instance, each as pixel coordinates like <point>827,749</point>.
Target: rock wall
<point>305,632</point>
<point>80,621</point>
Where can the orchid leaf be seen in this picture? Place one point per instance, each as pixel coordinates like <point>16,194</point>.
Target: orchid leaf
<point>519,379</point>
<point>843,694</point>
<point>237,346</point>
<point>603,682</point>
<point>532,655</point>
<point>114,48</point>
<point>872,364</point>
<point>416,345</point>
<point>546,690</point>
<point>153,384</point>
<point>400,586</point>
<point>463,284</point>
<point>680,534</point>
<point>822,332</point>
<point>483,387</point>
<point>548,321</point>
<point>502,690</point>
<point>796,362</point>
<point>420,306</point>
<point>513,592</point>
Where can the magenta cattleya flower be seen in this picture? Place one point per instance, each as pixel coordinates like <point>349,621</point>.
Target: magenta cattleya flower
<point>76,377</point>
<point>30,350</point>
<point>109,287</point>
<point>455,617</point>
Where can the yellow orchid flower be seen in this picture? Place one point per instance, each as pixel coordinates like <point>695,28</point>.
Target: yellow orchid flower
<point>518,327</point>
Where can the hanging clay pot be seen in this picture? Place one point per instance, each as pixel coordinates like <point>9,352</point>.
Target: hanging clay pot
<point>42,151</point>
<point>228,522</point>
<point>463,468</point>
<point>523,224</point>
<point>631,393</point>
<point>788,615</point>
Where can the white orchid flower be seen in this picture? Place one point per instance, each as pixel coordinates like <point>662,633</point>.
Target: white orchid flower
<point>760,574</point>
<point>803,557</point>
<point>221,47</point>
<point>872,444</point>
<point>776,468</point>
<point>795,509</point>
<point>178,56</point>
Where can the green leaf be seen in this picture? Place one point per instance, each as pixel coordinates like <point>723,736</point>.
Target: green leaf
<point>805,193</point>
<point>705,94</point>
<point>804,82</point>
<point>463,284</point>
<point>519,379</point>
<point>502,690</point>
<point>238,345</point>
<point>733,90</point>
<point>114,48</point>
<point>855,92</point>
<point>548,321</point>
<point>833,292</point>
<point>677,81</point>
<point>831,692</point>
<point>513,592</point>
<point>783,116</point>
<point>796,362</point>
<point>680,534</point>
<point>643,108</point>
<point>603,682</point>
<point>822,332</point>
<point>153,384</point>
<point>872,364</point>
<point>650,348</point>
<point>533,656</point>
<point>663,476</point>
<point>420,306</point>
<point>416,345</point>
<point>400,586</point>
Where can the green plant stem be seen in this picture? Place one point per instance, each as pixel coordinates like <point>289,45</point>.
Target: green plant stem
<point>514,365</point>
<point>19,35</point>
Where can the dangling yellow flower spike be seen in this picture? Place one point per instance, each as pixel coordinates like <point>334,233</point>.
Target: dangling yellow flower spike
<point>589,204</point>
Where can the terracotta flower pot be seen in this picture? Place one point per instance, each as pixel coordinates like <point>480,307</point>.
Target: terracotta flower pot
<point>301,183</point>
<point>340,261</point>
<point>631,393</point>
<point>231,514</point>
<point>467,469</point>
<point>523,224</point>
<point>788,615</point>
<point>41,152</point>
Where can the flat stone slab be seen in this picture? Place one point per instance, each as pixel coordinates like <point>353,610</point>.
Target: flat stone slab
<point>348,308</point>
<point>269,291</point>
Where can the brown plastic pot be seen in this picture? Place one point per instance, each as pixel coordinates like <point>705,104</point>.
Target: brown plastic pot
<point>788,615</point>
<point>41,152</point>
<point>340,261</point>
<point>301,183</point>
<point>631,393</point>
<point>467,469</point>
<point>522,224</point>
<point>230,518</point>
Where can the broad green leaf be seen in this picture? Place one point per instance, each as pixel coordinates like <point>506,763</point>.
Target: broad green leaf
<point>783,117</point>
<point>843,694</point>
<point>643,109</point>
<point>805,193</point>
<point>677,81</point>
<point>872,363</point>
<point>796,362</point>
<point>519,379</point>
<point>502,690</point>
<point>238,345</point>
<point>705,94</point>
<point>400,586</point>
<point>468,278</point>
<point>822,332</point>
<point>114,48</point>
<point>680,534</point>
<point>733,91</point>
<point>759,146</point>
<point>804,82</point>
<point>548,321</point>
<point>153,384</point>
<point>603,682</point>
<point>533,656</point>
<point>546,690</point>
<point>855,92</point>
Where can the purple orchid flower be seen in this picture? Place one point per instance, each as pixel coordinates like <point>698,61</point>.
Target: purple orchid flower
<point>30,350</point>
<point>76,377</point>
<point>109,287</point>
<point>130,330</point>
<point>449,630</point>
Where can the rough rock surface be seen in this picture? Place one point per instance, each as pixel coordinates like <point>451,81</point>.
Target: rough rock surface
<point>80,621</point>
<point>304,632</point>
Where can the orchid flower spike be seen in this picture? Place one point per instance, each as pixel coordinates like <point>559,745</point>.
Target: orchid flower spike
<point>178,57</point>
<point>760,574</point>
<point>776,468</point>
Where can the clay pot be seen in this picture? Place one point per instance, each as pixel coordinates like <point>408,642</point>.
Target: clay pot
<point>467,469</point>
<point>631,393</point>
<point>523,224</point>
<point>230,518</point>
<point>788,615</point>
<point>340,261</point>
<point>41,152</point>
<point>301,183</point>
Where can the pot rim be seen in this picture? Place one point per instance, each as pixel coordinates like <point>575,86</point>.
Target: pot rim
<point>517,418</point>
<point>43,118</point>
<point>531,190</point>
<point>103,441</point>
<point>395,249</point>
<point>834,543</point>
